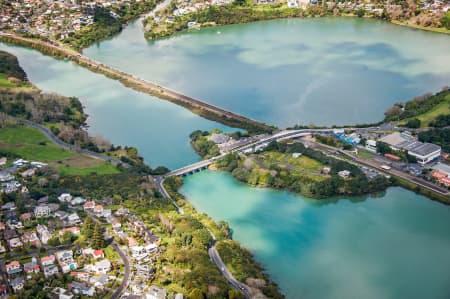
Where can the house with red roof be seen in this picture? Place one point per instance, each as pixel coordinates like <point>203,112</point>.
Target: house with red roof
<point>89,205</point>
<point>31,267</point>
<point>13,268</point>
<point>48,260</point>
<point>98,209</point>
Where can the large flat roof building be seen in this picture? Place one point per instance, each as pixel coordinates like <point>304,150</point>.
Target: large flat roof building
<point>424,152</point>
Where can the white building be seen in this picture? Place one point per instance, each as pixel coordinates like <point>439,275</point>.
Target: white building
<point>424,152</point>
<point>42,211</point>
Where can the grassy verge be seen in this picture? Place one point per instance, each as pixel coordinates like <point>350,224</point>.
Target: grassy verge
<point>30,144</point>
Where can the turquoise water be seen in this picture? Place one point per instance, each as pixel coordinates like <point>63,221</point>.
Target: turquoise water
<point>159,129</point>
<point>321,71</point>
<point>396,245</point>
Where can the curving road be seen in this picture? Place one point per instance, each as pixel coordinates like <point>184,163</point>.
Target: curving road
<point>126,277</point>
<point>67,146</point>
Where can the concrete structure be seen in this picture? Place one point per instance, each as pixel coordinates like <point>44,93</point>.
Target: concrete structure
<point>398,140</point>
<point>424,152</point>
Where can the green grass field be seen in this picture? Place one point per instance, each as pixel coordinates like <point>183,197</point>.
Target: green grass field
<point>301,166</point>
<point>426,118</point>
<point>30,144</point>
<point>4,81</point>
<point>103,168</point>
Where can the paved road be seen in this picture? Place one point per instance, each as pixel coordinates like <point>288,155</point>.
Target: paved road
<point>126,277</point>
<point>67,146</point>
<point>215,257</point>
<point>212,252</point>
<point>393,172</point>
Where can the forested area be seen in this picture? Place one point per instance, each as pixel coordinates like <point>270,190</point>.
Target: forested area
<point>9,65</point>
<point>440,137</point>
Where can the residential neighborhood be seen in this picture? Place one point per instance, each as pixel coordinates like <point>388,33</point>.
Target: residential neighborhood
<point>72,238</point>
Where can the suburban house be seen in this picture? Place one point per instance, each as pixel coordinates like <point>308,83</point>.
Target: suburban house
<point>13,268</point>
<point>14,243</point>
<point>48,260</point>
<point>25,217</point>
<point>155,292</point>
<point>81,289</point>
<point>102,267</point>
<point>73,219</point>
<point>42,211</point>
<point>50,270</point>
<point>65,197</point>
<point>30,238</point>
<point>44,234</point>
<point>83,276</point>
<point>116,224</point>
<point>77,201</point>
<point>31,267</point>
<point>89,205</point>
<point>17,284</point>
<point>66,261</point>
<point>94,253</point>
<point>61,293</point>
<point>138,252</point>
<point>98,210</point>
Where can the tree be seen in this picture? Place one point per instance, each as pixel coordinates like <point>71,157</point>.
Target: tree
<point>413,123</point>
<point>98,240</point>
<point>88,227</point>
<point>67,238</point>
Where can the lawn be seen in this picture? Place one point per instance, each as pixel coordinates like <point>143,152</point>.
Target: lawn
<point>103,168</point>
<point>427,117</point>
<point>300,167</point>
<point>30,144</point>
<point>4,82</point>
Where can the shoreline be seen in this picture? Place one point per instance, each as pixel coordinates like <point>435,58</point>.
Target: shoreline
<point>198,107</point>
<point>298,14</point>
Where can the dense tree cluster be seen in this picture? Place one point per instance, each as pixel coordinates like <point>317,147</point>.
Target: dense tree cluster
<point>437,136</point>
<point>9,65</point>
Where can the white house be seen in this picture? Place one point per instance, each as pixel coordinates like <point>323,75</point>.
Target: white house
<point>42,211</point>
<point>138,252</point>
<point>65,197</point>
<point>103,266</point>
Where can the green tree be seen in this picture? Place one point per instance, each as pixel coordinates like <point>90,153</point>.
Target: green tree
<point>98,240</point>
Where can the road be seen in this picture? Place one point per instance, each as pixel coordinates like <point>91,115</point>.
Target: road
<point>126,277</point>
<point>67,146</point>
<point>215,257</point>
<point>197,106</point>
<point>124,257</point>
<point>212,251</point>
<point>392,172</point>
